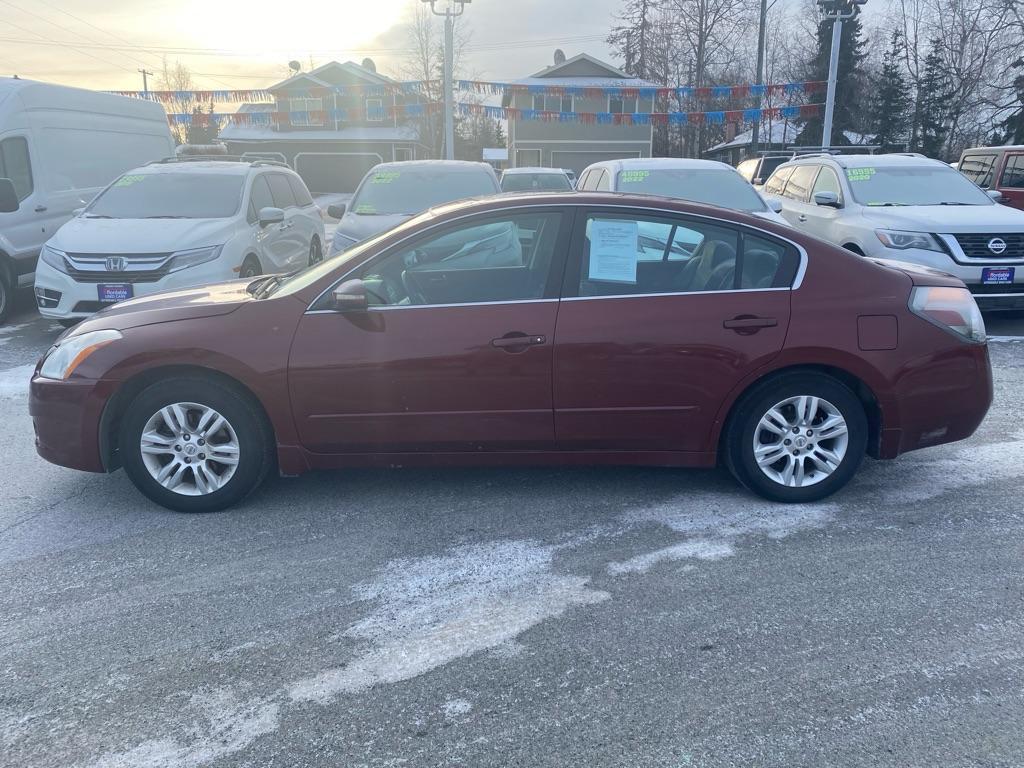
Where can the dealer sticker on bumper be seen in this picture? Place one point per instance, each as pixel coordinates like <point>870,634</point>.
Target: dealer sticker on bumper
<point>114,292</point>
<point>997,275</point>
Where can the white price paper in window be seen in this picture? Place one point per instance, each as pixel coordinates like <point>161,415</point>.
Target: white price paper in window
<point>614,250</point>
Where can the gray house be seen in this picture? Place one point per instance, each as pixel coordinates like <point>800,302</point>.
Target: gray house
<point>331,125</point>
<point>577,145</point>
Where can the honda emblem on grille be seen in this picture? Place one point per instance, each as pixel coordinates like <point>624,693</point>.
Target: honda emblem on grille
<point>118,263</point>
<point>997,245</point>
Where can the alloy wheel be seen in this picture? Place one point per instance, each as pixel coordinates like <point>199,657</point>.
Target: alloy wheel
<point>801,441</point>
<point>189,449</point>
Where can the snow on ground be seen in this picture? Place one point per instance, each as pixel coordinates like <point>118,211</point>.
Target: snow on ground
<point>14,381</point>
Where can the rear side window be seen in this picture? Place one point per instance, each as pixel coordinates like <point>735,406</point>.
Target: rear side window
<point>978,168</point>
<point>766,263</point>
<point>1013,173</point>
<point>778,180</point>
<point>800,181</point>
<point>16,166</point>
<point>299,191</point>
<point>281,190</point>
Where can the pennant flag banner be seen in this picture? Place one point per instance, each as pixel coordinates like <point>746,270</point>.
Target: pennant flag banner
<point>228,96</point>
<point>312,119</point>
<point>712,92</point>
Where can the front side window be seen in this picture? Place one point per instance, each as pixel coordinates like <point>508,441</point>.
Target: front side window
<point>777,182</point>
<point>827,181</point>
<point>169,195</point>
<point>500,259</point>
<point>300,192</point>
<point>747,169</point>
<point>800,182</point>
<point>715,186</point>
<point>1013,173</point>
<point>281,190</point>
<point>394,190</point>
<point>603,183</point>
<point>260,196</point>
<point>626,255</point>
<point>16,166</point>
<point>978,168</point>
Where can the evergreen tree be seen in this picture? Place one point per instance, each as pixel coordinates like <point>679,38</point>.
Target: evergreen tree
<point>932,97</point>
<point>632,39</point>
<point>849,82</point>
<point>890,102</point>
<point>1013,126</point>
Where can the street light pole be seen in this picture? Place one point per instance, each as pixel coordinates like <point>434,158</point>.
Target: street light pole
<point>837,11</point>
<point>758,77</point>
<point>453,9</point>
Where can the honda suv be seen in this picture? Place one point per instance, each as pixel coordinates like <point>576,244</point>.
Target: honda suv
<point>908,208</point>
<point>178,224</point>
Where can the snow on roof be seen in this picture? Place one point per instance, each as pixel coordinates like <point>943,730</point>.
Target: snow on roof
<point>537,170</point>
<point>349,66</point>
<point>657,163</point>
<point>587,82</point>
<point>495,153</point>
<point>883,160</point>
<point>240,132</point>
<point>452,165</point>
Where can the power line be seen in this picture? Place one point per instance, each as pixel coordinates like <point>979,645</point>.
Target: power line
<point>47,41</point>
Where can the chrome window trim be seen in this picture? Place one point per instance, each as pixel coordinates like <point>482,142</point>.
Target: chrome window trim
<point>613,203</point>
<point>391,307</point>
<point>673,293</point>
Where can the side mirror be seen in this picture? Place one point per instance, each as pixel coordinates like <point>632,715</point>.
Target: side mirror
<point>270,216</point>
<point>757,182</point>
<point>828,199</point>
<point>337,210</point>
<point>350,296</point>
<point>774,204</point>
<point>996,195</point>
<point>9,202</point>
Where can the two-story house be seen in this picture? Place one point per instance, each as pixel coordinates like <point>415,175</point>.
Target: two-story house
<point>331,124</point>
<point>578,85</point>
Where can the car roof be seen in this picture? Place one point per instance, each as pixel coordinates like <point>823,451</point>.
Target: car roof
<point>218,167</point>
<point>865,160</point>
<point>454,165</point>
<point>1005,148</point>
<point>552,171</point>
<point>660,163</point>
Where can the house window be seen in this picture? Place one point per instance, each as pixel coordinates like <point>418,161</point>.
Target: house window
<point>552,103</point>
<point>403,153</point>
<point>619,105</point>
<point>374,111</point>
<point>306,109</point>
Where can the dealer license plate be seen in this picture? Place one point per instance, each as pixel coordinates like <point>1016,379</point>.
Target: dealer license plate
<point>113,292</point>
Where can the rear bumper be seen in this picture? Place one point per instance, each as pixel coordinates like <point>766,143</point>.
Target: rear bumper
<point>938,400</point>
<point>66,417</point>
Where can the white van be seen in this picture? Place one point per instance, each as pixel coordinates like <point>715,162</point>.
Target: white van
<point>59,147</point>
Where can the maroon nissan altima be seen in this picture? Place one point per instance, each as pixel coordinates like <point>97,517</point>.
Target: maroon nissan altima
<point>539,329</point>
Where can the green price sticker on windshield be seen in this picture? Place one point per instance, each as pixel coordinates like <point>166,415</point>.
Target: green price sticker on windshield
<point>859,174</point>
<point>365,208</point>
<point>632,177</point>
<point>385,177</point>
<point>127,181</point>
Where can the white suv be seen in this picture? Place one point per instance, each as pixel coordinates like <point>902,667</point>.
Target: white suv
<point>178,224</point>
<point>906,207</point>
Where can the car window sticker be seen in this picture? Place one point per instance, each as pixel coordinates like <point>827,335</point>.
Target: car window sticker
<point>859,174</point>
<point>385,177</point>
<point>127,181</point>
<point>633,177</point>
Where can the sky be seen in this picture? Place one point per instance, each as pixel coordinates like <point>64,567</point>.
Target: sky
<point>249,44</point>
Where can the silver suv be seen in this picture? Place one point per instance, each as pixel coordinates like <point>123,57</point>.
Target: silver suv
<point>906,207</point>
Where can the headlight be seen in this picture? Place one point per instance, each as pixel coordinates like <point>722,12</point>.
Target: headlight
<point>892,238</point>
<point>951,308</point>
<point>64,357</point>
<point>194,257</point>
<point>341,243</point>
<point>54,258</point>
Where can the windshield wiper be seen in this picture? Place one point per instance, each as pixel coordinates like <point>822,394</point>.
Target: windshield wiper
<point>954,203</point>
<point>97,216</point>
<point>166,216</point>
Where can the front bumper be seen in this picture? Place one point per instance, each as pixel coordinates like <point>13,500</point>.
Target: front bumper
<point>61,297</point>
<point>66,417</point>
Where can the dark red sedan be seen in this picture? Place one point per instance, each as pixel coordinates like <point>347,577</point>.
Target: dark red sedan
<point>598,329</point>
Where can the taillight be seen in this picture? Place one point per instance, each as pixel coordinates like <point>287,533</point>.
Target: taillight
<point>952,308</point>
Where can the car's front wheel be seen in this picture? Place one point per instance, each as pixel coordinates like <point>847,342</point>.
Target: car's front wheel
<point>797,438</point>
<point>195,444</point>
<point>316,253</point>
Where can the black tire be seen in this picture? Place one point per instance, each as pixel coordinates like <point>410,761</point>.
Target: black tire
<point>6,294</point>
<point>250,268</point>
<point>316,252</point>
<point>256,456</point>
<point>744,424</point>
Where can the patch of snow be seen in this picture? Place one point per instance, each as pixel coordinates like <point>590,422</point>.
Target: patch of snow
<point>14,381</point>
<point>433,610</point>
<point>456,708</point>
<point>6,330</point>
<point>227,726</point>
<point>1004,339</point>
<point>700,549</point>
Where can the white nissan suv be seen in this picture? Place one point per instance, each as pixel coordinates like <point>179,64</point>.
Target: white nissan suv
<point>178,224</point>
<point>908,208</point>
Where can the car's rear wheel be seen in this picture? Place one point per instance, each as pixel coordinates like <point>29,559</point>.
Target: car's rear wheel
<point>6,294</point>
<point>195,444</point>
<point>250,268</point>
<point>316,252</point>
<point>797,438</point>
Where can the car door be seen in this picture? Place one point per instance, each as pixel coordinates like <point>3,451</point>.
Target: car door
<point>27,228</point>
<point>307,218</point>
<point>820,220</point>
<point>454,352</point>
<point>292,249</point>
<point>1011,180</point>
<point>797,210</point>
<point>272,239</point>
<point>646,351</point>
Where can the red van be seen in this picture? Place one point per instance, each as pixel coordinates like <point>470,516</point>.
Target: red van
<point>997,169</point>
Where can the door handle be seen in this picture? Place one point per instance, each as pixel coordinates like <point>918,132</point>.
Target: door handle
<point>522,340</point>
<point>747,324</point>
<point>802,217</point>
<point>40,208</point>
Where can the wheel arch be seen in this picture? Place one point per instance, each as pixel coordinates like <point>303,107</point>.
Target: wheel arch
<point>854,248</point>
<point>110,421</point>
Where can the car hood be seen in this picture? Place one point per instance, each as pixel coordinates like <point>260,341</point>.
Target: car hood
<point>359,227</point>
<point>920,274</point>
<point>949,219</point>
<point>189,304</point>
<point>132,236</point>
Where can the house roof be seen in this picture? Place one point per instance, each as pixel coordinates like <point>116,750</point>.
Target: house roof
<point>317,76</point>
<point>782,132</point>
<point>601,68</point>
<point>387,133</point>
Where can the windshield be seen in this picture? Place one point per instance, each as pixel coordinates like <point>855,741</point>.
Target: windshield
<point>413,190</point>
<point>527,182</point>
<point>913,185</point>
<point>722,187</point>
<point>170,196</point>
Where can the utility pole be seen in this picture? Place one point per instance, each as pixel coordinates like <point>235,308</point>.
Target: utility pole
<point>453,9</point>
<point>758,77</point>
<point>837,11</point>
<point>145,83</point>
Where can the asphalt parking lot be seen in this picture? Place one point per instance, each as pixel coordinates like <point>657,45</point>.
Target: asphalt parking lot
<point>527,617</point>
